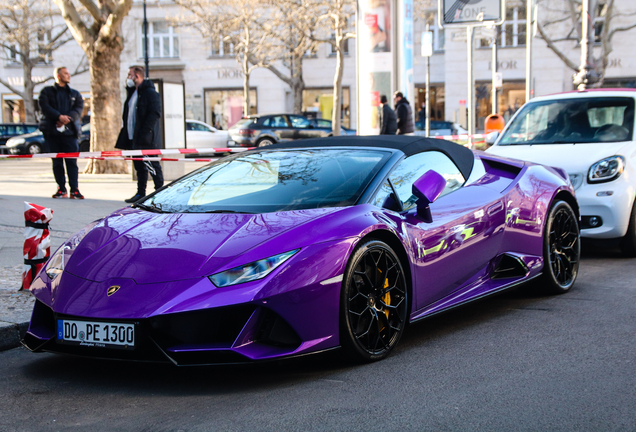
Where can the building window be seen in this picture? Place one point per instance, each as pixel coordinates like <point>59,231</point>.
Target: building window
<point>42,42</point>
<point>332,49</point>
<point>513,30</point>
<point>221,47</point>
<point>599,21</point>
<point>163,41</point>
<point>318,104</point>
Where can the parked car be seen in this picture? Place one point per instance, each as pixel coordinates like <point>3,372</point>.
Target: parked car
<point>263,130</point>
<point>33,143</point>
<point>302,247</point>
<point>326,124</point>
<point>439,128</point>
<point>590,134</point>
<point>202,135</point>
<point>9,130</point>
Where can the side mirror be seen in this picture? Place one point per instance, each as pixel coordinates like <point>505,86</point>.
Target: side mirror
<point>427,189</point>
<point>492,137</point>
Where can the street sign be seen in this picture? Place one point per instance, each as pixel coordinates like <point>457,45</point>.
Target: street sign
<point>427,43</point>
<point>498,80</point>
<point>470,12</point>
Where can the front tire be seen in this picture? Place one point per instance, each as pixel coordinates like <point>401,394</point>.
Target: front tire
<point>34,149</point>
<point>561,249</point>
<point>373,303</point>
<point>628,242</point>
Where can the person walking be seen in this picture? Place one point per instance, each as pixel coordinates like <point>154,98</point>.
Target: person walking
<point>142,111</point>
<point>388,120</point>
<point>405,124</point>
<point>60,124</point>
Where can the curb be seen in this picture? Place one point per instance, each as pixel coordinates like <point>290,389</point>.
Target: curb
<point>11,334</point>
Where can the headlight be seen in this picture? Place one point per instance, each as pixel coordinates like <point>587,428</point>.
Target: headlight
<point>15,142</point>
<point>606,170</point>
<point>55,266</point>
<point>250,272</point>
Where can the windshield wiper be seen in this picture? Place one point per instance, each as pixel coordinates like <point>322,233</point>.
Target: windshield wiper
<point>227,211</point>
<point>152,208</point>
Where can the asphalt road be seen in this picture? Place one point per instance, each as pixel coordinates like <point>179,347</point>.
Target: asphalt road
<point>515,362</point>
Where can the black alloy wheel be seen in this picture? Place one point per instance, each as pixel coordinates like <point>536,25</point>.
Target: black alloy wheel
<point>561,249</point>
<point>374,303</point>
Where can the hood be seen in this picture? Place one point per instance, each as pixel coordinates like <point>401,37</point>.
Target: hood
<point>153,248</point>
<point>574,158</point>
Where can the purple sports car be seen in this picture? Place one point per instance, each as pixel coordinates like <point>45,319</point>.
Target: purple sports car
<point>302,247</point>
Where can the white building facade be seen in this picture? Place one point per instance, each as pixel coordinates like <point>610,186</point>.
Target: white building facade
<point>214,83</point>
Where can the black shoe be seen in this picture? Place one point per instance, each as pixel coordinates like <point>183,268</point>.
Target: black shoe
<point>135,198</point>
<point>60,194</point>
<point>76,195</point>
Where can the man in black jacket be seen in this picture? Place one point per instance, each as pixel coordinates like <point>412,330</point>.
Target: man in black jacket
<point>142,111</point>
<point>388,120</point>
<point>405,123</point>
<point>60,124</point>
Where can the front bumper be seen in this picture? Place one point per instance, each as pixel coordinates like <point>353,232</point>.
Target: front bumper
<point>233,334</point>
<point>614,209</point>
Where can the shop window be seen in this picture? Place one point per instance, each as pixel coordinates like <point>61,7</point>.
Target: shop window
<point>318,104</point>
<point>224,107</point>
<point>437,104</point>
<point>163,40</point>
<point>510,98</point>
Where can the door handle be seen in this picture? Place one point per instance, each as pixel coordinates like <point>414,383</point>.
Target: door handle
<point>495,208</point>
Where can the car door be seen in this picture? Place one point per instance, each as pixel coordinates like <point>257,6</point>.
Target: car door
<point>465,232</point>
<point>304,129</point>
<point>278,126</point>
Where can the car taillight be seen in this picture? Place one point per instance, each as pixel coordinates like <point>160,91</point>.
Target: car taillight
<point>246,132</point>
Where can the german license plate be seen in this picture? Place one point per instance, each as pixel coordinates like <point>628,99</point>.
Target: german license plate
<point>96,334</point>
<point>231,143</point>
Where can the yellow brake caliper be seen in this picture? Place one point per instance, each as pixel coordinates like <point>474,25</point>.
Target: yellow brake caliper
<point>387,297</point>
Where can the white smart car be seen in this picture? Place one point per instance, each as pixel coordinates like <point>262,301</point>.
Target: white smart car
<point>590,134</point>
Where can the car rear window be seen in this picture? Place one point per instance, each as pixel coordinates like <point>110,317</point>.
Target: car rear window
<point>244,122</point>
<point>572,121</point>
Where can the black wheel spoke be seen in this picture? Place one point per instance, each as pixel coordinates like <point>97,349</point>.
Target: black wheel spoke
<point>563,243</point>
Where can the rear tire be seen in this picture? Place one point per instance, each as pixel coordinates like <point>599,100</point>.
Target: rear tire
<point>373,303</point>
<point>561,249</point>
<point>265,142</point>
<point>84,146</point>
<point>628,242</point>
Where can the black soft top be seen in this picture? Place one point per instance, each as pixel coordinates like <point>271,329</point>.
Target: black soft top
<point>409,145</point>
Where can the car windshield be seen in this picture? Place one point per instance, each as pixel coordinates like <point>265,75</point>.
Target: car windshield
<point>572,121</point>
<point>273,181</point>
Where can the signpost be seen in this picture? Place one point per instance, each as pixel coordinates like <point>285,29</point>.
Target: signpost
<point>471,14</point>
<point>427,52</point>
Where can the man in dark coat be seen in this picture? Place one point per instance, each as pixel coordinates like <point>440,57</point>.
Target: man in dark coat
<point>60,124</point>
<point>388,120</point>
<point>405,123</point>
<point>142,111</point>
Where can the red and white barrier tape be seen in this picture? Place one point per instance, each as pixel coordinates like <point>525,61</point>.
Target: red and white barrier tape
<point>459,137</point>
<point>127,154</point>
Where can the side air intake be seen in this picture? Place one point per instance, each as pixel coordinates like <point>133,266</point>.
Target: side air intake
<point>509,266</point>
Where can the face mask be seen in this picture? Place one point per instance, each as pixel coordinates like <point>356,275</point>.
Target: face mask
<point>130,82</point>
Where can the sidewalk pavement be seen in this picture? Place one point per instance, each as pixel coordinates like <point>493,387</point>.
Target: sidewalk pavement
<point>32,180</point>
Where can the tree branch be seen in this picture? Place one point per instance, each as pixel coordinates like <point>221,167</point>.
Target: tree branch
<point>92,9</point>
<point>13,89</point>
<point>556,50</point>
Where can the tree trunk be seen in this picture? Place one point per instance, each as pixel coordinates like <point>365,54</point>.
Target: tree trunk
<point>105,108</point>
<point>246,87</point>
<point>27,96</point>
<point>297,86</point>
<point>337,88</point>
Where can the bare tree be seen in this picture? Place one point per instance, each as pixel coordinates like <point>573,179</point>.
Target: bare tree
<point>101,39</point>
<point>291,31</point>
<point>30,31</point>
<point>238,25</point>
<point>333,26</point>
<point>560,26</point>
